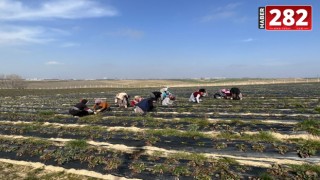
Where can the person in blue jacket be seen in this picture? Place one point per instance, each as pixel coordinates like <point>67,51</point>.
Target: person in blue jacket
<point>144,106</point>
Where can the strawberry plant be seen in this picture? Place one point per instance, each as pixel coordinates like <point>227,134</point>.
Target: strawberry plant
<point>112,163</point>
<point>137,167</point>
<point>258,147</point>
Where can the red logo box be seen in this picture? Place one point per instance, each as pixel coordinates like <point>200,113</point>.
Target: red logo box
<point>288,18</point>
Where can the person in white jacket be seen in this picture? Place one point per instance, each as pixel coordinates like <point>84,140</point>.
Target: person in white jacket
<point>164,92</point>
<point>169,100</point>
<point>122,99</point>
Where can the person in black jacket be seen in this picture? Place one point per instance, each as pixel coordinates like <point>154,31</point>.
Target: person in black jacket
<point>156,95</point>
<point>235,93</point>
<point>81,109</point>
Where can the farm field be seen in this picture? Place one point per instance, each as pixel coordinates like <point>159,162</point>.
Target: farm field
<point>139,83</point>
<point>273,133</point>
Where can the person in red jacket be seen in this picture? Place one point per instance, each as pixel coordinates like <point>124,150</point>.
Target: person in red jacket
<point>135,101</point>
<point>196,96</point>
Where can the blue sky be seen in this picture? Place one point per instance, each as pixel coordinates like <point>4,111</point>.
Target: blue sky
<point>151,39</point>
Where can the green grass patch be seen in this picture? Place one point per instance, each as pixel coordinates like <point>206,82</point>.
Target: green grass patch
<point>173,132</point>
<point>37,141</point>
<point>237,122</point>
<point>299,105</point>
<point>264,136</point>
<point>77,144</point>
<point>261,136</point>
<point>91,119</point>
<point>309,146</point>
<point>189,156</point>
<point>266,176</point>
<point>312,143</point>
<point>306,169</point>
<point>228,160</point>
<point>201,122</point>
<point>228,135</point>
<point>46,113</point>
<point>311,126</point>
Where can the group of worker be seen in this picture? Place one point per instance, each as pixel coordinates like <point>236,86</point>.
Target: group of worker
<point>142,105</point>
<point>234,93</point>
<point>81,108</point>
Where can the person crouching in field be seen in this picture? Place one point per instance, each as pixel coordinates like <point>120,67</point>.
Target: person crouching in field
<point>156,95</point>
<point>122,99</point>
<point>168,100</point>
<point>222,93</point>
<point>235,93</point>
<point>100,106</point>
<point>144,106</point>
<point>81,109</point>
<point>164,93</point>
<point>196,96</point>
<point>135,100</point>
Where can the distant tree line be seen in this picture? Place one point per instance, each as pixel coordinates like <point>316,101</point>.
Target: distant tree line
<point>12,81</point>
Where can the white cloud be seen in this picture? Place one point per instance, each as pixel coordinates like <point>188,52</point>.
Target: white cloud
<point>69,44</point>
<point>248,40</point>
<point>232,6</point>
<point>226,12</point>
<point>53,63</point>
<point>19,10</point>
<point>59,31</point>
<point>13,10</point>
<point>12,35</point>
<point>220,15</point>
<point>131,33</point>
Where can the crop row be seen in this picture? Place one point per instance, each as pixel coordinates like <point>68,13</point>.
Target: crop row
<point>78,154</point>
<point>194,141</point>
<point>270,90</point>
<point>199,124</point>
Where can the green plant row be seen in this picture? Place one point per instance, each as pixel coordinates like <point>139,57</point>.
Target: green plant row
<point>196,166</point>
<point>311,126</point>
<point>79,150</point>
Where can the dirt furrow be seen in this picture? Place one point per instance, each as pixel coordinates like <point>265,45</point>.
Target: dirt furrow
<point>60,169</point>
